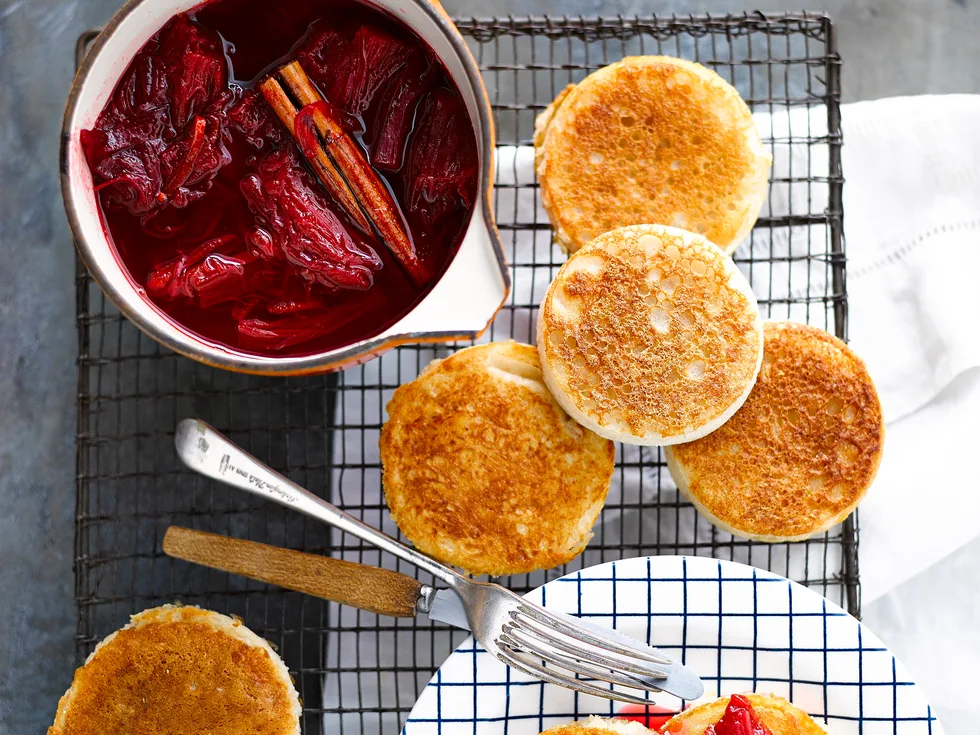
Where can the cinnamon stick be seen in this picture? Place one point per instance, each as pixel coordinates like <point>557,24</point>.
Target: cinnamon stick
<point>340,163</point>
<point>323,167</point>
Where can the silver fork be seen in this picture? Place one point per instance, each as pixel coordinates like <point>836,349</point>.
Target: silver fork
<point>550,646</point>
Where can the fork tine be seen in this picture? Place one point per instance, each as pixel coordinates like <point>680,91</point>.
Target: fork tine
<point>536,670</point>
<point>574,630</point>
<point>583,668</point>
<point>582,652</point>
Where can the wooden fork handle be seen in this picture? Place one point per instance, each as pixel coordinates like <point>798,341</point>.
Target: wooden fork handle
<point>368,588</point>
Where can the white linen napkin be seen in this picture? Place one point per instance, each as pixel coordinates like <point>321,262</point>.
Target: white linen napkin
<point>912,220</point>
<point>912,227</point>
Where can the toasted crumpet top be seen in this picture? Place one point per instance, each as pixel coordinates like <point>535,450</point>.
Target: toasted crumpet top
<point>780,716</point>
<point>801,453</point>
<point>651,139</point>
<point>650,335</point>
<point>483,469</point>
<point>600,726</point>
<point>180,670</point>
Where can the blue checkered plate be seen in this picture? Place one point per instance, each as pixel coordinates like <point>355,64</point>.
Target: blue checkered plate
<point>742,629</point>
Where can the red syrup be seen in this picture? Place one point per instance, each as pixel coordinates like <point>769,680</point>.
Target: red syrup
<point>652,716</point>
<point>212,209</point>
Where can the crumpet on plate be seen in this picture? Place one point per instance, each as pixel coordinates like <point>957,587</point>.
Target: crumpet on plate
<point>801,453</point>
<point>650,139</point>
<point>650,335</point>
<point>776,714</point>
<point>599,726</point>
<point>484,470</point>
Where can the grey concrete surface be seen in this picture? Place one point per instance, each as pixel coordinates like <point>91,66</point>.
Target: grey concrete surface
<point>889,47</point>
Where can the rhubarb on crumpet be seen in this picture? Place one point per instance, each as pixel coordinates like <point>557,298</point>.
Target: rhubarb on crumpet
<point>743,714</point>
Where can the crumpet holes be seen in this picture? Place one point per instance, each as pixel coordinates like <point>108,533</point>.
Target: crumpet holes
<point>669,285</point>
<point>696,370</point>
<point>564,305</point>
<point>590,265</point>
<point>834,406</point>
<point>660,319</point>
<point>847,453</point>
<point>850,413</point>
<point>650,243</point>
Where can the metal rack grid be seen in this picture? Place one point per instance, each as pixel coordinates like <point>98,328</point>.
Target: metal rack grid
<point>357,672</point>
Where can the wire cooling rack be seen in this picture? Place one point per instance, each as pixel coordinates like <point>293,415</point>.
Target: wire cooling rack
<point>356,672</point>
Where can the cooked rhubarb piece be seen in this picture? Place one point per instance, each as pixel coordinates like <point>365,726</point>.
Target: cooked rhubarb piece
<point>441,168</point>
<point>205,274</point>
<point>276,335</point>
<point>189,165</point>
<point>282,308</point>
<point>320,55</point>
<point>252,117</point>
<point>295,220</point>
<point>739,719</point>
<point>217,279</point>
<point>195,70</point>
<point>159,140</point>
<point>368,62</point>
<point>396,111</point>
